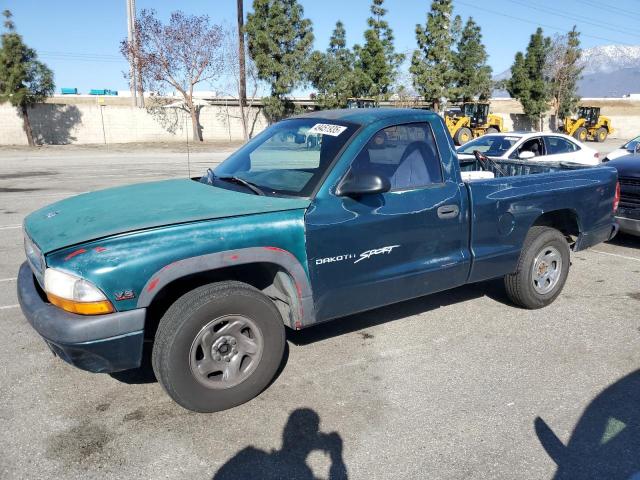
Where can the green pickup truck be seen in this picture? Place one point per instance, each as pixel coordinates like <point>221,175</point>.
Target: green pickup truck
<point>289,232</point>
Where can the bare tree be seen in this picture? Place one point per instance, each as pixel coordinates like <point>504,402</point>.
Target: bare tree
<point>564,69</point>
<point>181,54</point>
<point>237,72</point>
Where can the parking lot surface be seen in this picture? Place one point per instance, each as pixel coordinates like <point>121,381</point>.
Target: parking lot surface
<point>459,384</point>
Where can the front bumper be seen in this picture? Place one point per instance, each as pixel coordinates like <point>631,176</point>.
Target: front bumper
<point>100,343</point>
<point>629,225</point>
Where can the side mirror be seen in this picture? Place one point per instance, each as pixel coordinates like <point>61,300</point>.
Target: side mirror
<point>526,155</point>
<point>363,183</point>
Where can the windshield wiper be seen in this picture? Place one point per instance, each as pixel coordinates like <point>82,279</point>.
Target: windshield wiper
<point>251,186</point>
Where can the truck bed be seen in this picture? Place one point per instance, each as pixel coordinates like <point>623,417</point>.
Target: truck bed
<point>520,167</point>
<point>505,207</point>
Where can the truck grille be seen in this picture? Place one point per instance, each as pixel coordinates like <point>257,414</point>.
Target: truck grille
<point>629,193</point>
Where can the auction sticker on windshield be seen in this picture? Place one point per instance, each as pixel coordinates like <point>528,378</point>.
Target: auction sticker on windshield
<point>327,129</point>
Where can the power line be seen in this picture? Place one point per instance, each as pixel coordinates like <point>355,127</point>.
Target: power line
<point>608,8</point>
<point>580,18</point>
<point>80,54</point>
<point>558,29</point>
<point>82,59</point>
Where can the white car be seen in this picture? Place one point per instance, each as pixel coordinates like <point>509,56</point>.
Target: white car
<point>626,149</point>
<point>534,146</point>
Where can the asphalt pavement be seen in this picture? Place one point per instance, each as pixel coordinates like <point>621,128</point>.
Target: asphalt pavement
<point>459,384</point>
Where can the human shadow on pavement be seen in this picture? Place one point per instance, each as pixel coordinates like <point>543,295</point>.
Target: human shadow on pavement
<point>606,441</point>
<point>301,436</point>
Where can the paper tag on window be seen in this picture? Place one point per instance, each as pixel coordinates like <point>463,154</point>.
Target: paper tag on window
<point>327,129</point>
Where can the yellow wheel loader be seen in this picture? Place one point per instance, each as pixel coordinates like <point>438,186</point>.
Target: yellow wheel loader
<point>473,120</point>
<point>588,125</point>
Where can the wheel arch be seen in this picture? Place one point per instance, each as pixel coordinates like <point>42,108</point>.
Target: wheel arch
<point>274,271</point>
<point>565,220</point>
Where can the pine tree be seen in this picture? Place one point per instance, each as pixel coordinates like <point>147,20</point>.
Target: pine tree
<point>432,66</point>
<point>377,61</point>
<point>564,70</point>
<point>24,80</point>
<point>528,82</point>
<point>473,75</point>
<point>332,72</point>
<point>279,41</point>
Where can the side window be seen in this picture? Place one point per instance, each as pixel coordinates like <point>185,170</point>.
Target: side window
<point>533,145</point>
<point>405,154</point>
<point>559,145</point>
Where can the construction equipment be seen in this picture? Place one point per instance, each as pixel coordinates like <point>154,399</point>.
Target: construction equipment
<point>473,120</point>
<point>588,125</point>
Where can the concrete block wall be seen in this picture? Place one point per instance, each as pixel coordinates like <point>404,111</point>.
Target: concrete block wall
<point>90,122</point>
<point>98,124</point>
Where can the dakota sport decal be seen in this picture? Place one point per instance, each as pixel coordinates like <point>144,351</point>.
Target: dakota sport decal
<point>363,256</point>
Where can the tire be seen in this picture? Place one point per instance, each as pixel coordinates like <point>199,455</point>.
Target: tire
<point>462,136</point>
<point>245,336</point>
<point>601,134</point>
<point>544,249</point>
<point>581,134</point>
<point>491,130</point>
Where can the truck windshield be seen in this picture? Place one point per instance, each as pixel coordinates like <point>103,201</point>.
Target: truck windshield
<point>493,145</point>
<point>288,158</point>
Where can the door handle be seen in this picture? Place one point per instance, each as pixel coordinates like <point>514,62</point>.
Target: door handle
<point>448,211</point>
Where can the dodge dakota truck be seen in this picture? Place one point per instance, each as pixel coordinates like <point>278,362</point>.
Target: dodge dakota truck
<point>291,233</point>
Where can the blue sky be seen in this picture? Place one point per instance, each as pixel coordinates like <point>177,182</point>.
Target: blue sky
<point>79,39</point>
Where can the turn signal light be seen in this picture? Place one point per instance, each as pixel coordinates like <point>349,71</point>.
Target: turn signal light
<point>616,199</point>
<point>81,308</point>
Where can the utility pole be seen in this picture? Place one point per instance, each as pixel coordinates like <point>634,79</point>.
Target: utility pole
<point>131,27</point>
<point>243,77</point>
<point>242,80</point>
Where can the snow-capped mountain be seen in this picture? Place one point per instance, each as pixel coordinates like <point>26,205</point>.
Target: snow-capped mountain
<point>610,58</point>
<point>609,71</point>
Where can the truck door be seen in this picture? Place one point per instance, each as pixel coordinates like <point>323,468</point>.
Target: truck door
<point>379,249</point>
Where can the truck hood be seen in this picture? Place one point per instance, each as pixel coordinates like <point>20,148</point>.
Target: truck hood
<point>118,210</point>
<point>627,166</point>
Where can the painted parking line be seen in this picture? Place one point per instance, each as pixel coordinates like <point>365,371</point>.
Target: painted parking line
<point>7,307</point>
<point>626,257</point>
<point>7,279</point>
<point>9,227</point>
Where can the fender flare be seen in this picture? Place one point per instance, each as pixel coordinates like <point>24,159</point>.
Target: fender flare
<point>243,256</point>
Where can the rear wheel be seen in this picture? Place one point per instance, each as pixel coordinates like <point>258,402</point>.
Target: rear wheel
<point>542,269</point>
<point>491,130</point>
<point>601,134</point>
<point>580,134</point>
<point>218,346</point>
<point>462,136</point>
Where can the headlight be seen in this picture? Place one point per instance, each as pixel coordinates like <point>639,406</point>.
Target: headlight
<point>34,255</point>
<point>74,294</point>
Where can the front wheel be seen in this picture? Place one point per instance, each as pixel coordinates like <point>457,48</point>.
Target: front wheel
<point>601,134</point>
<point>218,346</point>
<point>462,136</point>
<point>581,134</point>
<point>542,269</point>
